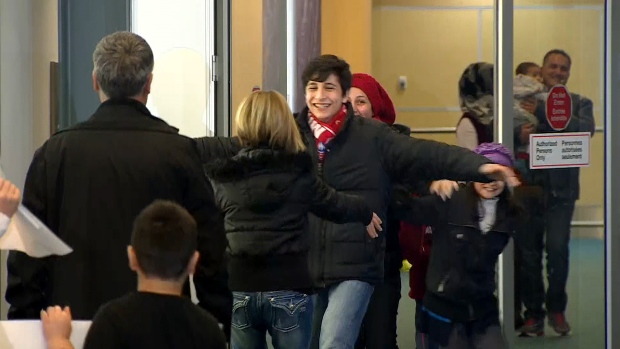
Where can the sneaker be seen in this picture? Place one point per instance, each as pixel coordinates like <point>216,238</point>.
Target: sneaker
<point>558,322</point>
<point>533,328</point>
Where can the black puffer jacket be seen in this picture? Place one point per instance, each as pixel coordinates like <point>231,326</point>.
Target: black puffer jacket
<point>461,274</point>
<point>266,196</point>
<point>393,254</point>
<point>365,158</point>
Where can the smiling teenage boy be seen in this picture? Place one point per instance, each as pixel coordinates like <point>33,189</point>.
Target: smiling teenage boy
<point>363,157</point>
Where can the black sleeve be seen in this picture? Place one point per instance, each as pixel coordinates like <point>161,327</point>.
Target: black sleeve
<point>409,160</point>
<point>337,207</point>
<point>422,188</point>
<point>27,279</point>
<point>211,148</point>
<point>210,278</point>
<point>103,333</point>
<point>425,210</point>
<point>585,115</point>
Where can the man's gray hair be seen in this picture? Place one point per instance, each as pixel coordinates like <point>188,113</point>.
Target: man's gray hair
<point>122,63</point>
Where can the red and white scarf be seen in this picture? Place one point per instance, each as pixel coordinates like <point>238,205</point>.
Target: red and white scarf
<point>324,132</point>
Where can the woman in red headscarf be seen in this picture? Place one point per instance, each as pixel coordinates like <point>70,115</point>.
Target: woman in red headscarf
<point>370,100</point>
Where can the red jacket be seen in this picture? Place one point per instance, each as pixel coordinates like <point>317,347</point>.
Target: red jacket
<point>415,242</point>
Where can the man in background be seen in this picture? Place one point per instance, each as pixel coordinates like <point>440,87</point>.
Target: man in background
<point>561,191</point>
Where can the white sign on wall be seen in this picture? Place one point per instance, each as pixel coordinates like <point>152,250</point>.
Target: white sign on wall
<point>559,150</point>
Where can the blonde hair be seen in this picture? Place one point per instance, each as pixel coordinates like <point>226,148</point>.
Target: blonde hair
<point>265,118</point>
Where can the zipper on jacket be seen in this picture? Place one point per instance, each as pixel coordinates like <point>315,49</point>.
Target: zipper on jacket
<point>323,232</point>
<point>320,173</point>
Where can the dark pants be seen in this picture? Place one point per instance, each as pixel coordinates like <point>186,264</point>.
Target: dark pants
<point>378,330</point>
<point>434,333</point>
<point>555,217</point>
<point>462,338</point>
<point>531,227</point>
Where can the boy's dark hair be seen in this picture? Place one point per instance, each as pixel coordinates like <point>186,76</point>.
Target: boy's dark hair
<point>164,238</point>
<point>522,68</point>
<point>320,68</point>
<point>557,51</point>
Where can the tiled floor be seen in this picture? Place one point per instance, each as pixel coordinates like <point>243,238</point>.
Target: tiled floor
<point>585,310</point>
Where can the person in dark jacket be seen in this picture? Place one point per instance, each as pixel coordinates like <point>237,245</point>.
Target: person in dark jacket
<point>87,184</point>
<point>561,191</point>
<point>266,192</point>
<point>378,331</point>
<point>364,157</point>
<point>470,231</point>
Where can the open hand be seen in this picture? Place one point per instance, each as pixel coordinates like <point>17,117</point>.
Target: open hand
<point>500,173</point>
<point>444,188</point>
<point>374,226</point>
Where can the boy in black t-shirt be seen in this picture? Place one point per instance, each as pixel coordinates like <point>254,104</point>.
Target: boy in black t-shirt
<point>163,254</point>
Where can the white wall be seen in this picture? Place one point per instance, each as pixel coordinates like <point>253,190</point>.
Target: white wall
<point>180,34</point>
<point>28,41</point>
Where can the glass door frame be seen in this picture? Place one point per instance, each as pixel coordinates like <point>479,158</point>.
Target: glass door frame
<point>503,39</point>
<point>612,165</point>
<point>503,52</point>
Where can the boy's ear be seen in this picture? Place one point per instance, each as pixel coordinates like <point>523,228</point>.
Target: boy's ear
<point>133,260</point>
<point>191,266</point>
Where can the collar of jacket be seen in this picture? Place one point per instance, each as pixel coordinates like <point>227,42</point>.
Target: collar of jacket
<point>125,113</point>
<point>256,159</point>
<point>464,211</point>
<point>403,129</point>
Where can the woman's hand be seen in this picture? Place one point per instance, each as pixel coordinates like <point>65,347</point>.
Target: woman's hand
<point>374,226</point>
<point>444,188</point>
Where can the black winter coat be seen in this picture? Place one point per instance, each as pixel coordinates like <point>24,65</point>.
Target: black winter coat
<point>87,184</point>
<point>365,158</point>
<point>266,196</point>
<point>460,280</point>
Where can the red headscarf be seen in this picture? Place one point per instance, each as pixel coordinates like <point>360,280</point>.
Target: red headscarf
<point>382,105</point>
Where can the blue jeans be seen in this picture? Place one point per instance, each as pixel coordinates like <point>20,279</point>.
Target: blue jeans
<point>286,315</point>
<point>338,314</point>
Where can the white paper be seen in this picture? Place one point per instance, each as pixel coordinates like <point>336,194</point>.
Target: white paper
<point>28,234</point>
<point>28,334</point>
